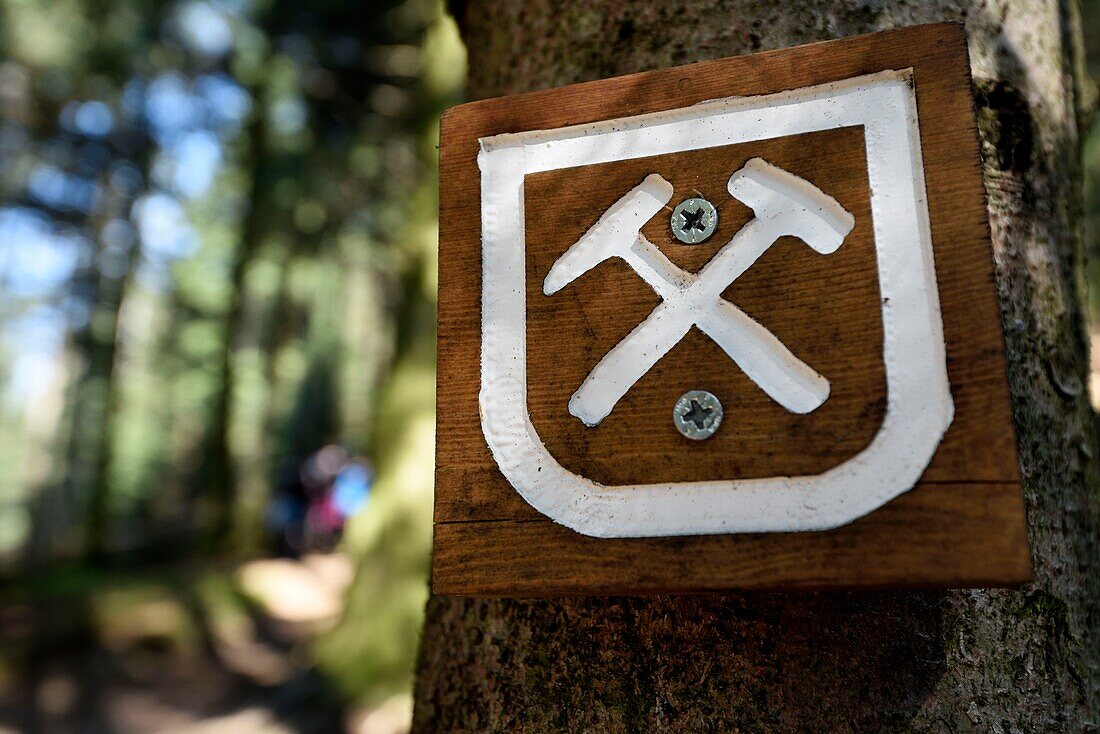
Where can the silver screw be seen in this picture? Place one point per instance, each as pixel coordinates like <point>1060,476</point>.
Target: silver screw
<point>697,414</point>
<point>694,220</point>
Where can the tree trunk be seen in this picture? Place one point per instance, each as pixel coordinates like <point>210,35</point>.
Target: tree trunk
<point>978,660</point>
<point>111,295</point>
<point>217,477</point>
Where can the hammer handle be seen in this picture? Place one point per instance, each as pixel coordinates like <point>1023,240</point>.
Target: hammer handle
<point>784,377</point>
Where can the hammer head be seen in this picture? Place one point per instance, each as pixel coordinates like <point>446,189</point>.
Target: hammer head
<point>611,236</point>
<point>804,210</point>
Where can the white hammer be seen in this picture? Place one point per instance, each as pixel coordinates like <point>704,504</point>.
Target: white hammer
<point>783,204</point>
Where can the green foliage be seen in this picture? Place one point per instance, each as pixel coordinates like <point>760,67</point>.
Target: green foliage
<point>370,654</point>
<point>213,321</point>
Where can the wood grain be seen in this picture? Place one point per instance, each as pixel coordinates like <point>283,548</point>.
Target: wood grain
<point>921,539</point>
<point>824,308</point>
<point>568,333</point>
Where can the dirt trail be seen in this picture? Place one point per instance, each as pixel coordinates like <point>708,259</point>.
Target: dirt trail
<point>182,651</point>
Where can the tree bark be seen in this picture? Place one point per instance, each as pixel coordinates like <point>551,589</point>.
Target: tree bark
<point>978,660</point>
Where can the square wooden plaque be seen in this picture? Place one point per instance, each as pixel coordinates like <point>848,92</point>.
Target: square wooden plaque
<point>962,524</point>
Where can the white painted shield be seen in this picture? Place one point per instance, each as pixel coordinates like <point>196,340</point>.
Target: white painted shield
<point>919,407</point>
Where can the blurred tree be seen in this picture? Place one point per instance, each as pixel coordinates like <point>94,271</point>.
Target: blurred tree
<point>92,161</point>
<point>347,81</point>
<point>220,193</point>
<point>1091,23</point>
<point>371,652</point>
<point>217,255</point>
<point>995,660</point>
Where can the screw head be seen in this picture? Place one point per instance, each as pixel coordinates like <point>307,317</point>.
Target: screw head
<point>697,414</point>
<point>694,220</point>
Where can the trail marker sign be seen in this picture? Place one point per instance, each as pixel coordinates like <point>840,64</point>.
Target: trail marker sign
<point>797,242</point>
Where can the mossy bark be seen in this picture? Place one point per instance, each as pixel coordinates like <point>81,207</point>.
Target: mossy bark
<point>979,660</point>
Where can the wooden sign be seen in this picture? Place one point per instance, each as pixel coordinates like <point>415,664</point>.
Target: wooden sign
<point>728,325</point>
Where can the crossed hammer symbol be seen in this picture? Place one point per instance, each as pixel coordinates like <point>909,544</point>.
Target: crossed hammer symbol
<point>783,205</point>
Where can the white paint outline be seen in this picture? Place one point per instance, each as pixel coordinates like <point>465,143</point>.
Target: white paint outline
<point>919,406</point>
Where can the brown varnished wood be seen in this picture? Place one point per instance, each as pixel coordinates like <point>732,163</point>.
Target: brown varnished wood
<point>922,538</point>
<point>962,525</point>
<point>568,333</point>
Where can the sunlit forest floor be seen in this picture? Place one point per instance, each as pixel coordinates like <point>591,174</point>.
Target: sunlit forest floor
<point>210,649</point>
